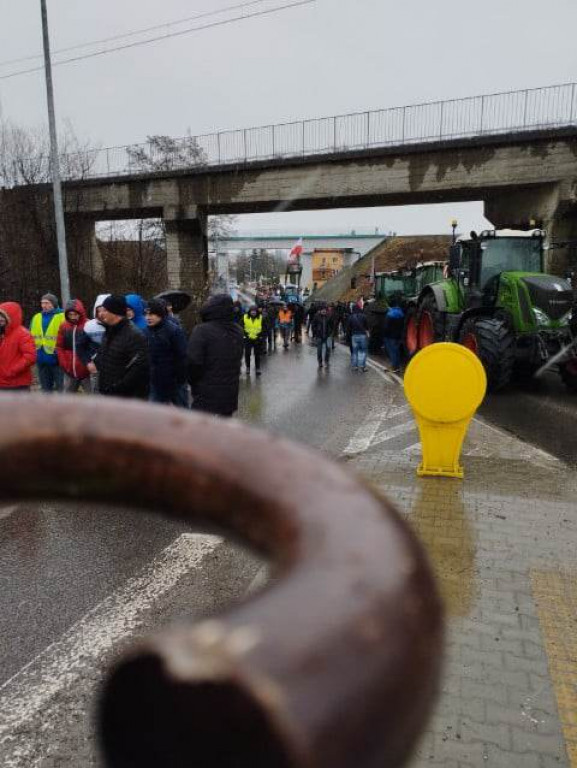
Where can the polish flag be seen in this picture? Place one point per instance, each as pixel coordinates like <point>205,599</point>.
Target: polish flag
<point>296,251</point>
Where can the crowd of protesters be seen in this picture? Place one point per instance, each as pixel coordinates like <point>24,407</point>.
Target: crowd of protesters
<point>129,348</point>
<point>136,349</point>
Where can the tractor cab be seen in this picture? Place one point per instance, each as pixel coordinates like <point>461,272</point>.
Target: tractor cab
<point>505,269</point>
<point>394,285</point>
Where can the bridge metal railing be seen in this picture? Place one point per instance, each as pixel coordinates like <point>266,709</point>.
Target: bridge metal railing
<point>489,115</point>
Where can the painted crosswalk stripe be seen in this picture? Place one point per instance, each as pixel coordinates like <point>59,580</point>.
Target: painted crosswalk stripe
<point>366,434</point>
<point>63,663</point>
<point>394,431</point>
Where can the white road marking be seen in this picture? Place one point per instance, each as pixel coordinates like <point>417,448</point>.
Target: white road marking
<point>61,664</point>
<point>384,372</point>
<point>392,432</point>
<point>365,436</point>
<point>7,511</point>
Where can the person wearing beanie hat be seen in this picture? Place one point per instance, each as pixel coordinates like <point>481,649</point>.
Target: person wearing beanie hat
<point>44,328</point>
<point>51,299</point>
<point>115,305</point>
<point>122,360</point>
<point>157,308</point>
<point>167,349</point>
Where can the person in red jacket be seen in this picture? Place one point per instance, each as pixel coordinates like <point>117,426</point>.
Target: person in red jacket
<point>73,348</point>
<point>17,350</point>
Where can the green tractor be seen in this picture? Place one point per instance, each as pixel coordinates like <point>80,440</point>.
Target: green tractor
<point>394,286</point>
<point>401,287</point>
<point>497,301</point>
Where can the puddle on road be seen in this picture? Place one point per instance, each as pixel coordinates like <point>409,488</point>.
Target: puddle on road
<point>438,517</point>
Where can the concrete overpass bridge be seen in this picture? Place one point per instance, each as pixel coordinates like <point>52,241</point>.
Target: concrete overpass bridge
<point>357,242</point>
<point>516,151</point>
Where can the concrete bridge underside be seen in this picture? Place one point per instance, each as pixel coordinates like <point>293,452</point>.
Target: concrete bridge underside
<point>518,177</point>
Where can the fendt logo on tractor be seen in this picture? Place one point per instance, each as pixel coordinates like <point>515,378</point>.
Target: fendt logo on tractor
<point>498,301</point>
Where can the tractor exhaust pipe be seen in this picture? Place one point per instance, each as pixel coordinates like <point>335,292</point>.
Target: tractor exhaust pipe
<point>334,666</point>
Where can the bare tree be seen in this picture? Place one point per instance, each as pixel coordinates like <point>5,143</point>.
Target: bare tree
<point>29,261</point>
<point>163,153</point>
<point>25,155</point>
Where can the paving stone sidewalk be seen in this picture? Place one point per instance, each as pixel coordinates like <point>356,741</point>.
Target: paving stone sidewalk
<point>503,544</point>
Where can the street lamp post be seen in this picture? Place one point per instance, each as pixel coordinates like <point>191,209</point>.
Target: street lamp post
<point>454,225</point>
<point>55,163</point>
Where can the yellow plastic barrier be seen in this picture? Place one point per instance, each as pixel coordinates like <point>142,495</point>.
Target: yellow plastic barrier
<point>445,384</point>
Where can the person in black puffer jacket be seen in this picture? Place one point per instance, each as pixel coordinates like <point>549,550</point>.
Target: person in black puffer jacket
<point>167,348</point>
<point>214,358</point>
<point>122,360</point>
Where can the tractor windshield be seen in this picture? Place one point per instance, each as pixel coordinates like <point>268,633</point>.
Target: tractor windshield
<point>510,254</point>
<point>394,284</point>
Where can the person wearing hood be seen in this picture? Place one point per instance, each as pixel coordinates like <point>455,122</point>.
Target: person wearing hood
<point>214,358</point>
<point>44,329</point>
<point>17,350</point>
<point>136,306</point>
<point>94,328</point>
<point>167,348</point>
<point>358,332</point>
<point>393,334</point>
<point>74,348</point>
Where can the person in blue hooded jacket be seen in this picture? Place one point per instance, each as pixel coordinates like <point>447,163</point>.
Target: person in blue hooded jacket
<point>136,306</point>
<point>393,334</point>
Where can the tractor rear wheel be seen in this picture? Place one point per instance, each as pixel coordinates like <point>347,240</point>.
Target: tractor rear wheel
<point>430,323</point>
<point>494,344</point>
<point>568,373</point>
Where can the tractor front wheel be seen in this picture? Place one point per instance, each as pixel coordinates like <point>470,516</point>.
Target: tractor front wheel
<point>568,373</point>
<point>494,344</point>
<point>430,323</point>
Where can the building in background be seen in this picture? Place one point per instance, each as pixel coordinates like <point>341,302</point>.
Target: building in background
<point>326,263</point>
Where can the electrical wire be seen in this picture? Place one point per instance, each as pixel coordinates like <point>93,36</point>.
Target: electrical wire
<point>158,38</point>
<point>136,32</point>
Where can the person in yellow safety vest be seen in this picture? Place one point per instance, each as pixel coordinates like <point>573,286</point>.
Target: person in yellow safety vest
<point>253,331</point>
<point>44,329</point>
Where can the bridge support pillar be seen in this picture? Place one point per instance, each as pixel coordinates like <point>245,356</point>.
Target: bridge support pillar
<point>551,207</point>
<point>84,256</point>
<point>187,256</point>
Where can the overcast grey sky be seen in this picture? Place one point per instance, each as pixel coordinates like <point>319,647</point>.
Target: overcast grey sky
<point>330,57</point>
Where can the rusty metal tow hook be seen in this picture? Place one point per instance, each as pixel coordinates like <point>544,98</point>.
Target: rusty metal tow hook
<point>333,666</point>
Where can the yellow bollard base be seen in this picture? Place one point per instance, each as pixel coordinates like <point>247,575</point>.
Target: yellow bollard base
<point>423,471</point>
<point>445,384</point>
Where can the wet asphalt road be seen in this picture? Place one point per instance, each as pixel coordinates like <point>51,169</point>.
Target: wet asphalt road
<point>540,411</point>
<point>58,562</point>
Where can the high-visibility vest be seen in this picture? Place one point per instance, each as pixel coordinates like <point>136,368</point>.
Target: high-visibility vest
<point>285,317</point>
<point>252,327</point>
<point>46,340</point>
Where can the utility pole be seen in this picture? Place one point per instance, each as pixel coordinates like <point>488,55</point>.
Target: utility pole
<point>55,163</point>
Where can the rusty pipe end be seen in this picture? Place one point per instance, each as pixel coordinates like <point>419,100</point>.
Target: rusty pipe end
<point>150,720</point>
<point>167,705</point>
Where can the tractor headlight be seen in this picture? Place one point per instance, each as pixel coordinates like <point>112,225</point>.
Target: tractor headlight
<point>540,317</point>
